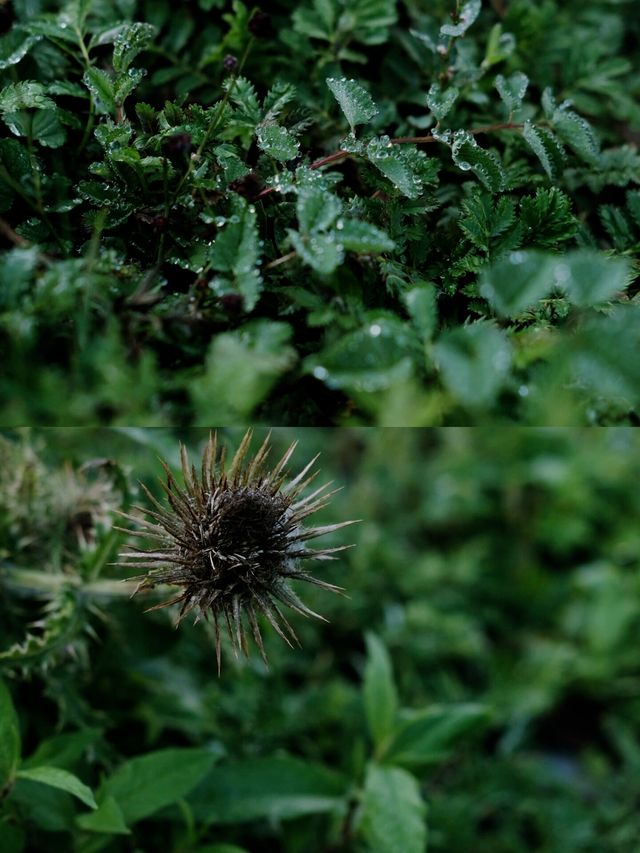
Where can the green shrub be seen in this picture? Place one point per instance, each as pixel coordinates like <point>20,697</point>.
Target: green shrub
<point>351,211</point>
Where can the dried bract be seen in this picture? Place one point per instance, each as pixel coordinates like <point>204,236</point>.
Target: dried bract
<point>233,538</point>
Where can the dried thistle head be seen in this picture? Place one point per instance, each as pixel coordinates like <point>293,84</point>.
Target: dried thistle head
<point>233,539</point>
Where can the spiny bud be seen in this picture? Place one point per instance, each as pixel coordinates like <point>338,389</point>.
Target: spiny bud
<point>232,539</point>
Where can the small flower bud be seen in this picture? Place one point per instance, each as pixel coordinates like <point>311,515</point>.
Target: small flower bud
<point>230,62</point>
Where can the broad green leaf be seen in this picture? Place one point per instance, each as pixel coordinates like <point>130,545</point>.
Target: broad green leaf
<point>148,783</point>
<point>433,735</point>
<point>278,788</point>
<point>512,90</point>
<point>25,96</point>
<point>321,251</point>
<point>9,738</point>
<point>577,133</point>
<point>102,87</point>
<point>62,750</point>
<point>241,367</point>
<point>355,102</point>
<point>47,130</point>
<point>379,691</point>
<point>125,83</point>
<point>369,359</point>
<point>469,156</point>
<point>15,45</point>
<point>277,142</point>
<point>474,362</point>
<point>14,157</point>
<point>316,209</point>
<point>421,305</point>
<point>129,42</point>
<point>236,251</point>
<point>393,811</point>
<point>441,101</point>
<point>41,125</point>
<point>602,356</point>
<point>358,236</point>
<point>590,277</point>
<point>522,278</point>
<point>107,818</point>
<point>55,31</point>
<point>62,779</point>
<point>516,282</point>
<point>547,148</point>
<point>397,163</point>
<point>466,17</point>
<point>318,22</point>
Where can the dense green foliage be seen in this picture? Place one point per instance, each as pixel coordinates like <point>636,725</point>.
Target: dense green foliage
<point>174,220</point>
<point>479,685</point>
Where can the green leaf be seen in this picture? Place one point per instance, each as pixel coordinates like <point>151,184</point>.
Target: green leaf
<point>421,304</point>
<point>516,282</point>
<point>485,218</point>
<point>102,87</point>
<point>368,359</point>
<point>107,818</point>
<point>546,218</point>
<point>468,155</point>
<point>379,691</point>
<point>358,236</point>
<point>466,18</point>
<point>9,738</point>
<point>236,251</point>
<point>274,789</point>
<point>400,164</point>
<point>63,750</point>
<point>277,142</point>
<point>355,102</point>
<point>474,361</point>
<point>589,277</point>
<point>321,251</point>
<point>316,209</point>
<point>441,101</point>
<point>62,779</point>
<point>512,90</point>
<point>547,148</point>
<point>148,783</point>
<point>47,130</point>
<point>42,125</point>
<point>240,369</point>
<point>125,83</point>
<point>433,735</point>
<point>577,133</point>
<point>129,42</point>
<point>25,96</point>
<point>602,356</point>
<point>522,278</point>
<point>15,45</point>
<point>393,812</point>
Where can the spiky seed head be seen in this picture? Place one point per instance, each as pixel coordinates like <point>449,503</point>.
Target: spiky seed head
<point>232,539</point>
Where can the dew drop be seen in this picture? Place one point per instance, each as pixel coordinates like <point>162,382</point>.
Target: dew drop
<point>375,330</point>
<point>320,372</point>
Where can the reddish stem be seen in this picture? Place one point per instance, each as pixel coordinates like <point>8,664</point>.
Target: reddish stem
<point>400,140</point>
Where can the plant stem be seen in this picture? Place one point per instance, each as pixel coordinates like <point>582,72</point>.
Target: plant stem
<point>400,140</point>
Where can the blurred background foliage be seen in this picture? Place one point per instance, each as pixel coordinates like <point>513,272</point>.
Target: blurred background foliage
<point>495,577</point>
